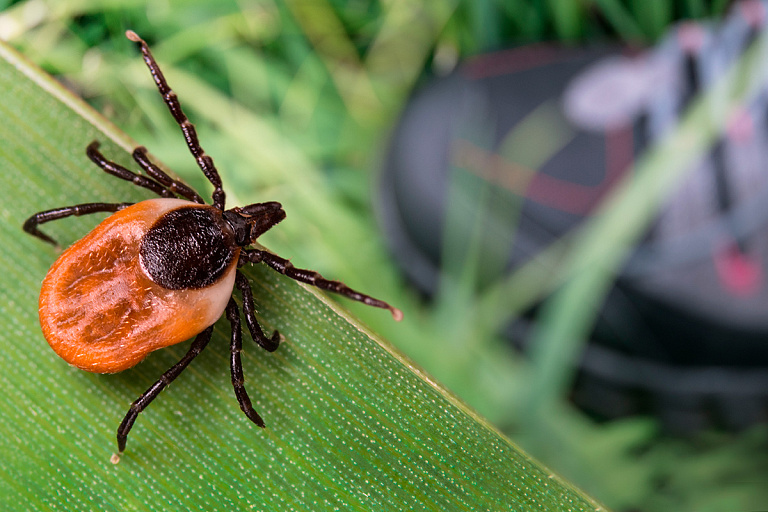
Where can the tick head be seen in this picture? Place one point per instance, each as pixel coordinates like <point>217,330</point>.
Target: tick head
<point>252,221</point>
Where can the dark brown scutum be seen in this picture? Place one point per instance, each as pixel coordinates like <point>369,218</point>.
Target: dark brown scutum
<point>188,248</point>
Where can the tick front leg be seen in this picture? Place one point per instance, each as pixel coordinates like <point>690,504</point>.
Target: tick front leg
<point>204,161</point>
<point>286,268</point>
<point>30,226</point>
<point>150,394</point>
<point>236,364</point>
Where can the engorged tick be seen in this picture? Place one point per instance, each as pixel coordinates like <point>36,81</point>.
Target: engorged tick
<point>158,272</point>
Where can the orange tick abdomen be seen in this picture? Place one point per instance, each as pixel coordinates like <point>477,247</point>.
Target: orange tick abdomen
<point>100,311</point>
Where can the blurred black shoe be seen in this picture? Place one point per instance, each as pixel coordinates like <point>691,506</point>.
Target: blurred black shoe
<point>547,132</point>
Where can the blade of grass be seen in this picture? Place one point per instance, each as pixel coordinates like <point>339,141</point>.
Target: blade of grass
<point>654,16</point>
<point>331,44</point>
<point>352,425</point>
<point>620,19</point>
<point>568,18</point>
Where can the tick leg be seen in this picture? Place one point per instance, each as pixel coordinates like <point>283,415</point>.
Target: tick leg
<point>261,217</point>
<point>236,364</point>
<point>121,172</point>
<point>204,161</point>
<point>268,344</point>
<point>285,267</point>
<point>30,226</point>
<point>150,394</point>
<point>175,186</point>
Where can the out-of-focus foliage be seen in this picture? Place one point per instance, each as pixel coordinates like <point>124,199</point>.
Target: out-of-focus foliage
<point>294,100</point>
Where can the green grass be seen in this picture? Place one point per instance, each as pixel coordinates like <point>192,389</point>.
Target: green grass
<point>294,99</point>
<point>353,425</point>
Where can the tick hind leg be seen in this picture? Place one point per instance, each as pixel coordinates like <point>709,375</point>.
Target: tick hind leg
<point>236,364</point>
<point>150,394</point>
<point>286,268</point>
<point>30,226</point>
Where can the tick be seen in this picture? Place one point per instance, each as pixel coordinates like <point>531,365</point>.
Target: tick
<point>161,271</point>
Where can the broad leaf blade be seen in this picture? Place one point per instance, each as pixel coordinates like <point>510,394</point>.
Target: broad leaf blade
<point>351,424</point>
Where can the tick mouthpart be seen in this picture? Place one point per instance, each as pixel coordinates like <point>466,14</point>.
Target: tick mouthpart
<point>252,221</point>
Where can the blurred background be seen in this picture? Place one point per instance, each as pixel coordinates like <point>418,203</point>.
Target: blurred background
<point>565,198</point>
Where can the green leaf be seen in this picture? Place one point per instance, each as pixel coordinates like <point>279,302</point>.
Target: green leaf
<point>352,425</point>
